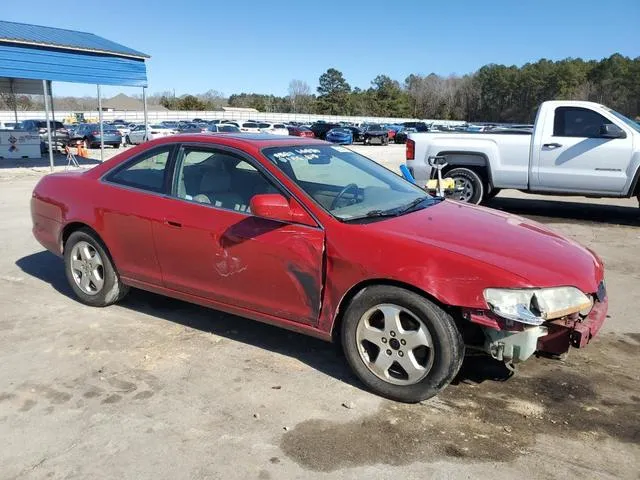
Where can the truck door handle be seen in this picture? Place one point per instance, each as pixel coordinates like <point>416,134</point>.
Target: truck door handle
<point>552,145</point>
<point>171,223</point>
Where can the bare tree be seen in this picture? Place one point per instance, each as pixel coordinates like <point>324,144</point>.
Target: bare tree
<point>299,95</point>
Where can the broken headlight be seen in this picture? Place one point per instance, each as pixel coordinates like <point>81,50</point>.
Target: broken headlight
<point>534,306</point>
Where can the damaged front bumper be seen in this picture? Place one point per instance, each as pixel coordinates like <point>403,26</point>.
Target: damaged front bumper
<point>513,342</point>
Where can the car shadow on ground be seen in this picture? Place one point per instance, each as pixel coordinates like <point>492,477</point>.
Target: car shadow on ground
<point>322,356</point>
<point>560,211</point>
<point>59,160</point>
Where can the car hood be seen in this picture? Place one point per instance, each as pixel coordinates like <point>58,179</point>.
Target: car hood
<point>526,249</point>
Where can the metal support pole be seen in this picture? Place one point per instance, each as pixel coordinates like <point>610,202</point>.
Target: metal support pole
<point>146,118</point>
<point>53,114</point>
<point>15,101</point>
<point>101,128</point>
<point>46,114</point>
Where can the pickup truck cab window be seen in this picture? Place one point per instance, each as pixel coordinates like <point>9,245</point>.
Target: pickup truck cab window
<point>578,122</point>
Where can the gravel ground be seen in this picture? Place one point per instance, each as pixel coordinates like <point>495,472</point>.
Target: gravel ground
<point>157,388</point>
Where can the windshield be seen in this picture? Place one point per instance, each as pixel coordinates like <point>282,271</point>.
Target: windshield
<point>374,126</point>
<point>347,184</point>
<point>626,120</point>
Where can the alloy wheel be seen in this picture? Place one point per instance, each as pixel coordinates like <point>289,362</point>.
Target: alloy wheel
<point>394,344</point>
<point>87,268</point>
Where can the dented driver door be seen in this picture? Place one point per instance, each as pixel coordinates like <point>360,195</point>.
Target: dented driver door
<point>235,258</point>
<point>211,246</point>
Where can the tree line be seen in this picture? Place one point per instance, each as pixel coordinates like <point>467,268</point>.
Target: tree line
<point>495,93</point>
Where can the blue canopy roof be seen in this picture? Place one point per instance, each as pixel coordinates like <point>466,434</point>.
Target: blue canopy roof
<point>26,34</point>
<point>43,53</point>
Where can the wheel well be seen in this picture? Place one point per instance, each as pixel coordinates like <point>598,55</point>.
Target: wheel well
<point>356,289</point>
<point>476,162</point>
<point>74,227</point>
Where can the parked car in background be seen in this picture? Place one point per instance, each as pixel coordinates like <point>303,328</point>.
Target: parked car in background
<point>327,243</point>
<point>300,131</point>
<point>356,133</point>
<point>320,129</point>
<point>223,128</point>
<point>340,135</point>
<point>89,135</point>
<point>123,128</point>
<point>419,126</point>
<point>274,128</point>
<point>59,133</point>
<point>170,124</point>
<point>191,128</point>
<point>577,148</point>
<point>249,127</point>
<point>138,134</point>
<point>391,132</point>
<point>375,133</point>
<point>401,136</point>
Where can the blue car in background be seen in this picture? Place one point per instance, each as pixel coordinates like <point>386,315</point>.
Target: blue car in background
<point>341,136</point>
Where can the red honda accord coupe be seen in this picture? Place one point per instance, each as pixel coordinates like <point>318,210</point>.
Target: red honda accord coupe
<point>316,238</point>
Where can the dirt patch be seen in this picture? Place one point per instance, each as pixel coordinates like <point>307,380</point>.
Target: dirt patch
<point>593,394</point>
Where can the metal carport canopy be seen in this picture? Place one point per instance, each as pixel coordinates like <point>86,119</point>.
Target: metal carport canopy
<point>44,53</point>
<point>31,53</point>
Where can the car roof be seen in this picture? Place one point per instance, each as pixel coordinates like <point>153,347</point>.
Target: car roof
<point>259,140</point>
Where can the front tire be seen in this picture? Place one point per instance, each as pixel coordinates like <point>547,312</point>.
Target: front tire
<point>469,185</point>
<point>401,345</point>
<point>90,271</point>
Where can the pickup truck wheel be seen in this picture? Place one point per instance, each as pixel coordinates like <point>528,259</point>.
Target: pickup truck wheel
<point>90,272</point>
<point>469,187</point>
<point>401,345</point>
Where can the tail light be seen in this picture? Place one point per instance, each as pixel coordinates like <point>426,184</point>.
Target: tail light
<point>410,149</point>
<point>95,133</point>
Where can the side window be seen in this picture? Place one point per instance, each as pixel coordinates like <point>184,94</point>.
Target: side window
<point>577,122</point>
<point>147,172</point>
<point>218,178</point>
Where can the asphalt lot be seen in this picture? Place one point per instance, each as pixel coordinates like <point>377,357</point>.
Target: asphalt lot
<point>157,388</point>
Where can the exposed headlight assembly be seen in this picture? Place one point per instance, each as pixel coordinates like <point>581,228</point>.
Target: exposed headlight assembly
<point>534,306</point>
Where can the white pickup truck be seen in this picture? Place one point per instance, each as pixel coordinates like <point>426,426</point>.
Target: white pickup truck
<point>577,148</point>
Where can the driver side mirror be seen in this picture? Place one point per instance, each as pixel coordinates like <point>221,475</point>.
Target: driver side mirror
<point>275,206</point>
<point>609,130</point>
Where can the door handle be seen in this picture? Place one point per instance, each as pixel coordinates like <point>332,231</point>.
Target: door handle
<point>552,145</point>
<point>171,223</point>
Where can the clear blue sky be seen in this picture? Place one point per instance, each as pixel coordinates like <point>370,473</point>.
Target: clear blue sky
<point>238,45</point>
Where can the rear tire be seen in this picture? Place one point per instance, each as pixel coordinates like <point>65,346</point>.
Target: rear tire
<point>90,271</point>
<point>430,366</point>
<point>471,184</point>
